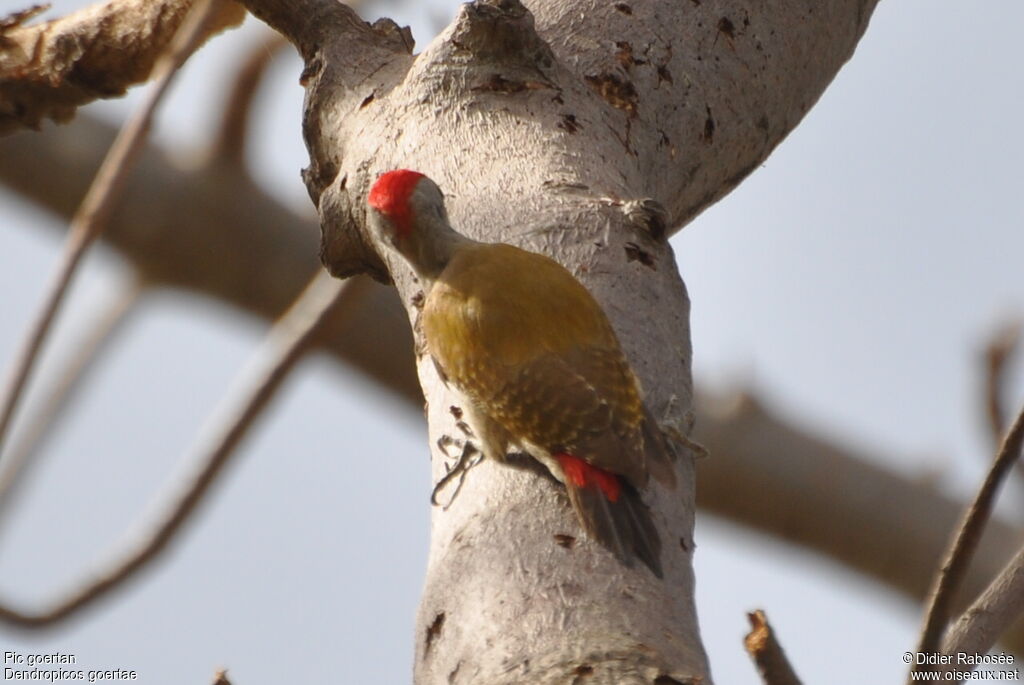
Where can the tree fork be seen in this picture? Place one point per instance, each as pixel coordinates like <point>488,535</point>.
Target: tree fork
<point>589,138</point>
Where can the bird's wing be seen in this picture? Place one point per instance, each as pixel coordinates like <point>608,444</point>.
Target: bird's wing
<point>531,347</point>
<point>585,404</point>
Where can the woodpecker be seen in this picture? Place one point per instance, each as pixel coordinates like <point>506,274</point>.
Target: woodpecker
<point>537,362</point>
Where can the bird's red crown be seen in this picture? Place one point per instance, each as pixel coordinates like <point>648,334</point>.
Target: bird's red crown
<point>390,196</point>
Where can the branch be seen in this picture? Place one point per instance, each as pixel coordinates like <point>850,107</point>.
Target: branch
<point>69,379</point>
<point>347,63</point>
<point>766,473</point>
<point>49,70</point>
<point>307,24</point>
<point>175,228</point>
<point>704,91</point>
<point>772,475</point>
<point>197,250</point>
<point>985,622</point>
<point>284,346</point>
<point>97,205</point>
<point>767,653</point>
<point>229,144</point>
<point>998,352</point>
<point>570,101</point>
<point>954,568</point>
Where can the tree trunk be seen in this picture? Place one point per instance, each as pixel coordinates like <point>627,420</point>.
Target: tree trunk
<point>584,131</point>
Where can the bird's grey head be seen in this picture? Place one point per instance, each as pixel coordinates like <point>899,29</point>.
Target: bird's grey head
<point>407,213</point>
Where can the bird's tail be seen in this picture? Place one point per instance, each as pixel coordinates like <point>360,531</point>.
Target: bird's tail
<point>611,511</point>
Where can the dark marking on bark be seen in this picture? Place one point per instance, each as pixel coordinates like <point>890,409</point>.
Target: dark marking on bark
<point>664,74</point>
<point>367,100</point>
<point>616,91</point>
<point>623,7</point>
<point>696,3</point>
<point>499,84</point>
<point>455,672</point>
<point>669,680</point>
<point>565,185</point>
<point>464,427</point>
<point>563,540</point>
<point>682,543</point>
<point>647,215</point>
<point>343,182</point>
<point>635,254</point>
<point>433,632</point>
<point>569,123</point>
<point>581,673</point>
<point>624,53</point>
<point>726,26</point>
<point>417,299</point>
<point>456,412</point>
<point>709,128</point>
<point>665,141</point>
<point>762,123</point>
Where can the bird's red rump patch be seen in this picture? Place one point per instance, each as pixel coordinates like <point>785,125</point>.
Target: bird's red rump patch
<point>581,474</point>
<point>390,196</point>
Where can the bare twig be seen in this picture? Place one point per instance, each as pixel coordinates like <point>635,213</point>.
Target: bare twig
<point>992,614</point>
<point>20,17</point>
<point>67,382</point>
<point>175,228</point>
<point>818,487</point>
<point>229,144</point>
<point>954,568</point>
<point>284,346</point>
<point>763,461</point>
<point>98,203</point>
<point>998,352</point>
<point>767,653</point>
<point>48,70</point>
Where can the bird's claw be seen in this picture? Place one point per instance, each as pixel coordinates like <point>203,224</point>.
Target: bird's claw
<point>460,469</point>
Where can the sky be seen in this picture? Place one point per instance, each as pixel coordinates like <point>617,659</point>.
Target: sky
<point>851,282</point>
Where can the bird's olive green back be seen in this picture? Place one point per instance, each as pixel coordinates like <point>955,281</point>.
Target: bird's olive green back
<point>529,345</point>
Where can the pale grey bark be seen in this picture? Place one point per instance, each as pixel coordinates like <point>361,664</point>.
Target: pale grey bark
<point>568,142</point>
<point>766,472</point>
<point>585,134</point>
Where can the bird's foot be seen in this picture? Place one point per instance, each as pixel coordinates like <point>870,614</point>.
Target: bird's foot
<point>699,451</point>
<point>459,470</point>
